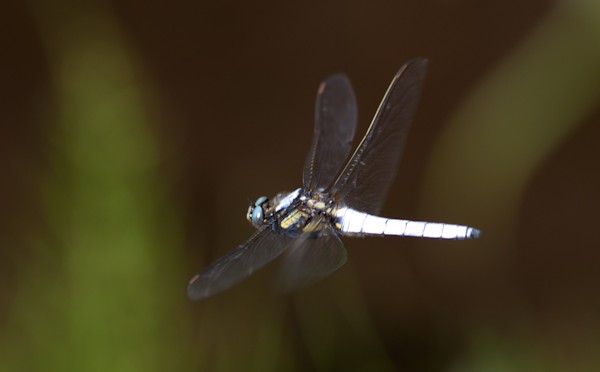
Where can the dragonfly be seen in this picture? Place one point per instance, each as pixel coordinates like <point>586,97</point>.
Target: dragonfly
<point>341,195</point>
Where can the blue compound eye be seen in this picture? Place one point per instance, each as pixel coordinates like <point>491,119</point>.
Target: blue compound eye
<point>256,212</point>
<point>260,201</point>
<point>257,216</point>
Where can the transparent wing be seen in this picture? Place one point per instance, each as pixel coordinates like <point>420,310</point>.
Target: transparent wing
<point>263,247</point>
<point>364,182</point>
<point>335,124</point>
<point>310,258</point>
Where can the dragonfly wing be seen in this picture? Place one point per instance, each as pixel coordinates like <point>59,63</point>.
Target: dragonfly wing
<point>310,258</point>
<point>263,247</point>
<point>335,124</point>
<point>364,182</point>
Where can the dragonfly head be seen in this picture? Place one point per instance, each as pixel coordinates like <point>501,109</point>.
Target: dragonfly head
<point>256,212</point>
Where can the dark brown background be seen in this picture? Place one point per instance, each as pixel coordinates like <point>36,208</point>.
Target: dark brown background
<point>231,100</point>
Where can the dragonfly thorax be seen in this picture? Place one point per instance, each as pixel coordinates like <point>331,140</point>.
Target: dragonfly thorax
<point>293,213</point>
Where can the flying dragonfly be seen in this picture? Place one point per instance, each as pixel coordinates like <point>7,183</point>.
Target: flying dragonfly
<point>307,223</point>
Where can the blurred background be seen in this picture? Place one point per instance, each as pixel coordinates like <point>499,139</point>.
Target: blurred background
<point>134,134</point>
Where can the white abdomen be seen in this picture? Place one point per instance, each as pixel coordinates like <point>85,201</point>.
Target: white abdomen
<point>351,222</point>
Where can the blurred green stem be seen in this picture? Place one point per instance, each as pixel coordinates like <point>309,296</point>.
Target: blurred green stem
<point>514,119</point>
<point>490,150</point>
<point>108,304</point>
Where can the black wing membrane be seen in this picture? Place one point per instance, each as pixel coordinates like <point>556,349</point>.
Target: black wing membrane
<point>335,124</point>
<point>262,247</point>
<point>366,179</point>
<point>311,257</point>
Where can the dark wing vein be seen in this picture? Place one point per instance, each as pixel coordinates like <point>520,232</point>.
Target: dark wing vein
<point>310,258</point>
<point>262,247</point>
<point>365,181</point>
<point>335,124</point>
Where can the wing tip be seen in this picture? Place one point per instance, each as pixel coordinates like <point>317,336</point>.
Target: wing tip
<point>416,63</point>
<point>193,292</point>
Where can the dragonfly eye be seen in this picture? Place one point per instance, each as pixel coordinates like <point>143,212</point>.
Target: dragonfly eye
<point>256,213</point>
<point>260,201</point>
<point>257,216</point>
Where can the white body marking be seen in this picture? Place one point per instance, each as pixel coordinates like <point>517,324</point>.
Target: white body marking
<point>287,200</point>
<point>352,222</point>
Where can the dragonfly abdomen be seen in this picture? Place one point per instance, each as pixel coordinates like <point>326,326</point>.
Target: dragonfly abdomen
<point>354,223</point>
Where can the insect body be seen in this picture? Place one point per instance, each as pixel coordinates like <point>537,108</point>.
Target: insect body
<point>335,199</point>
